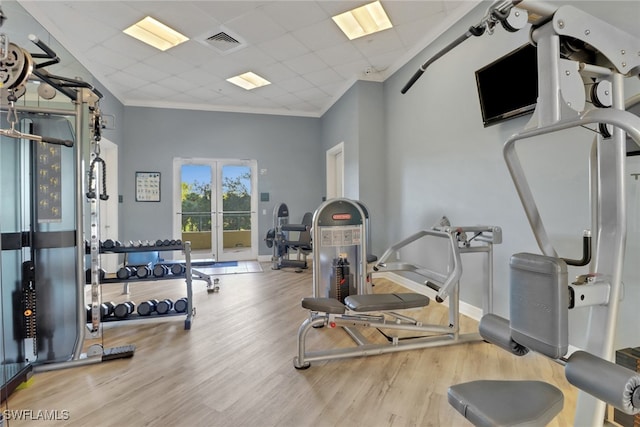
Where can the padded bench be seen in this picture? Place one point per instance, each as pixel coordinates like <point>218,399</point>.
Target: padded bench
<point>365,303</point>
<point>507,403</point>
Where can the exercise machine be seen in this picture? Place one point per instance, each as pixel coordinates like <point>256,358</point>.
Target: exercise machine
<point>43,251</point>
<point>343,297</point>
<point>285,237</point>
<point>582,64</point>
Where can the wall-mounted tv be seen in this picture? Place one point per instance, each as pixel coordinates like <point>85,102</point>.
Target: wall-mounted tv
<point>508,87</point>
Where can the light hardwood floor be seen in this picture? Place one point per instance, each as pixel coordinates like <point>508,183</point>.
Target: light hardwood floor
<point>234,368</point>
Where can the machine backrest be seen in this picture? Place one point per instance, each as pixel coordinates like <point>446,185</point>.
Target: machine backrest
<point>539,303</point>
<point>305,236</point>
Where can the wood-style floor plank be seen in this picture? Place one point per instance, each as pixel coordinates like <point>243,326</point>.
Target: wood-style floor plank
<point>235,367</point>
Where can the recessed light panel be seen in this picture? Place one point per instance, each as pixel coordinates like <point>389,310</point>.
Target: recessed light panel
<point>364,20</point>
<point>155,33</point>
<point>248,81</point>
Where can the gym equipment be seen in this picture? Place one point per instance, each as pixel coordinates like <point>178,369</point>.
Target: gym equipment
<point>343,297</point>
<point>539,322</point>
<point>126,272</point>
<point>124,309</point>
<point>160,270</point>
<point>177,269</point>
<point>280,238</point>
<point>43,177</point>
<point>164,306</point>
<point>181,305</point>
<point>145,308</point>
<point>143,271</point>
<point>108,308</point>
<point>101,275</point>
<point>582,63</point>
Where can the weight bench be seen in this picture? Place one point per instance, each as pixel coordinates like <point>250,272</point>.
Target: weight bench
<point>370,311</point>
<point>539,322</point>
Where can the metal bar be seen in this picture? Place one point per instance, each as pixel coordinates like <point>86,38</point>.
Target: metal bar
<point>81,315</point>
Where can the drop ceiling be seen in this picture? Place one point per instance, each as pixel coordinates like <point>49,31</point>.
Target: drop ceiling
<point>293,44</point>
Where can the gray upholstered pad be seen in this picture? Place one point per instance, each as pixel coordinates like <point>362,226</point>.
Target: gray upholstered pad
<point>382,302</point>
<point>325,305</point>
<point>507,403</point>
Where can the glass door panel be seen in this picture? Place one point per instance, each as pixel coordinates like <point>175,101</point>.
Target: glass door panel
<point>217,210</point>
<point>234,237</point>
<point>196,219</point>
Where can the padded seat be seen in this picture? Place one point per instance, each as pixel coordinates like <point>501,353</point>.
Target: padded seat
<point>507,403</point>
<point>325,305</point>
<point>382,302</point>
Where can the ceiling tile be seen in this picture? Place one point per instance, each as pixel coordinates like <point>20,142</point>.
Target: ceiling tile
<point>284,47</point>
<point>255,27</point>
<point>305,63</point>
<point>292,15</point>
<point>292,43</point>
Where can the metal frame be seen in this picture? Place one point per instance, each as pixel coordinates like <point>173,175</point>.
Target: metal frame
<point>557,78</point>
<point>436,335</point>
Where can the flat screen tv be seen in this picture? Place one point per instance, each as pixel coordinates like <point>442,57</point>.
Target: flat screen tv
<point>508,87</point>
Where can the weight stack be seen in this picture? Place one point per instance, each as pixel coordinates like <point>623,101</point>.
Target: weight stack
<point>629,358</point>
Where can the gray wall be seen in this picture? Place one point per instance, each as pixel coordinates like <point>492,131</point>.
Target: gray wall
<point>288,147</point>
<point>358,120</point>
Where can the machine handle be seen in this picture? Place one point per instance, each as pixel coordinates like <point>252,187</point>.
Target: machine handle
<point>57,141</point>
<point>586,252</point>
<point>437,56</point>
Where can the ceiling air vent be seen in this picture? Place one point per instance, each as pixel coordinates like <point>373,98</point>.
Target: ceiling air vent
<point>224,42</point>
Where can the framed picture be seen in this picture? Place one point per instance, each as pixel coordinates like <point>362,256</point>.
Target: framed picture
<point>147,186</point>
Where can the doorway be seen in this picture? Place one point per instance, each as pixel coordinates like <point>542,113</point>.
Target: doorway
<point>335,171</point>
<point>215,201</point>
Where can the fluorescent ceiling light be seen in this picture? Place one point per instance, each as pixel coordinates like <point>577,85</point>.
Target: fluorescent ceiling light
<point>363,20</point>
<point>155,33</point>
<point>248,81</point>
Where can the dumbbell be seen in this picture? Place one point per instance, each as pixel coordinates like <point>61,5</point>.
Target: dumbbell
<point>124,309</point>
<point>110,244</point>
<point>181,305</point>
<point>145,308</point>
<point>143,271</point>
<point>160,270</point>
<point>164,306</point>
<point>101,274</point>
<point>107,309</point>
<point>126,272</point>
<point>177,269</point>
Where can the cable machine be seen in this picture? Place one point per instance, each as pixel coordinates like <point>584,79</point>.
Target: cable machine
<point>582,64</point>
<point>42,247</point>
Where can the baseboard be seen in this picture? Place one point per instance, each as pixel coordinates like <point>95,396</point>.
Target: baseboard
<point>465,308</point>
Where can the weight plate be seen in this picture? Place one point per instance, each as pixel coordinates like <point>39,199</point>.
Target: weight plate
<point>16,69</point>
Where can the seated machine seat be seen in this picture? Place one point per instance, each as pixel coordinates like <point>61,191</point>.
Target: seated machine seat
<point>507,403</point>
<point>325,305</point>
<point>364,303</point>
<point>538,310</point>
<point>382,302</point>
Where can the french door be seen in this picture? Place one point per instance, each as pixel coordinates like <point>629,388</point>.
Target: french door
<point>215,202</point>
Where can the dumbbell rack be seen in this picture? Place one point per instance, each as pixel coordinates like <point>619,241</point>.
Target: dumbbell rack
<point>184,246</point>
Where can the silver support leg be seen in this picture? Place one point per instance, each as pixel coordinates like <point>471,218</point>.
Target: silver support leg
<point>611,225</point>
<point>80,249</point>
